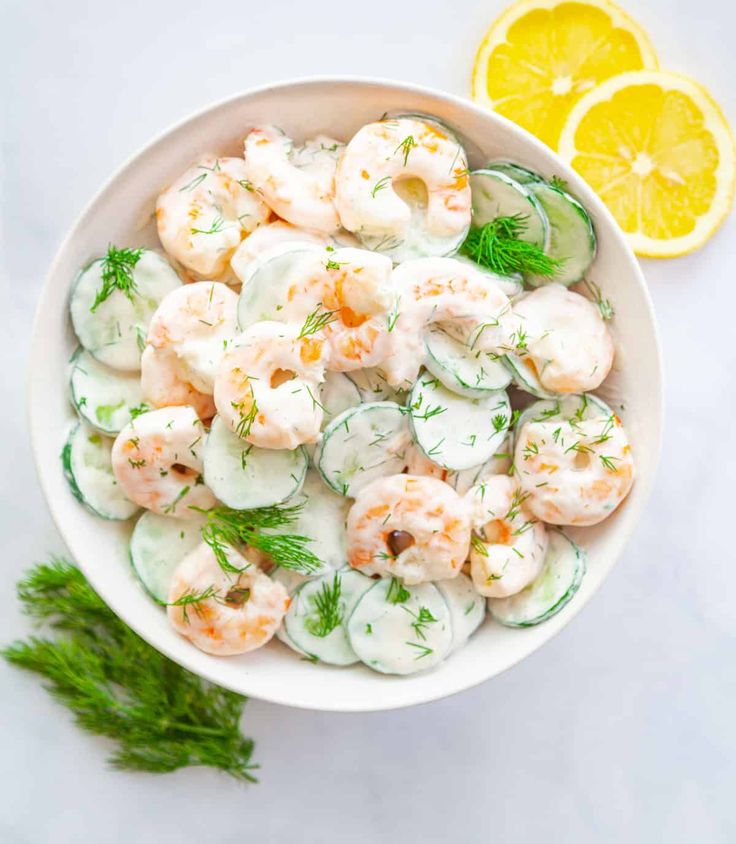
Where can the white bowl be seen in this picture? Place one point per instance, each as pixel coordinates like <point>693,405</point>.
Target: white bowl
<point>121,213</point>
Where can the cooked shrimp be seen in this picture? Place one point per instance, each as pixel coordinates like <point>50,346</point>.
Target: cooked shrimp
<point>270,240</point>
<point>236,613</point>
<point>205,214</point>
<point>268,385</point>
<point>574,472</point>
<point>350,292</point>
<point>196,322</point>
<point>164,383</point>
<point>157,460</point>
<point>445,291</point>
<point>566,341</point>
<point>401,152</point>
<point>509,552</point>
<point>413,527</point>
<point>298,183</point>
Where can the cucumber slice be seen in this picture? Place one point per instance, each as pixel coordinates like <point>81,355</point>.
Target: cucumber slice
<point>102,396</point>
<point>462,369</point>
<point>499,464</point>
<point>416,241</point>
<point>572,237</point>
<point>302,621</point>
<point>454,431</point>
<point>497,195</point>
<point>362,444</point>
<point>572,406</point>
<point>246,271</point>
<point>115,332</point>
<point>519,174</point>
<point>322,518</point>
<point>292,580</point>
<point>526,378</point>
<point>265,294</point>
<point>244,476</point>
<point>401,637</point>
<point>337,394</point>
<point>467,607</point>
<point>373,386</point>
<point>559,580</point>
<point>88,469</point>
<point>157,546</point>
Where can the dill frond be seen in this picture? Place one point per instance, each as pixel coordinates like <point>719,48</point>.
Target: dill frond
<point>159,716</point>
<point>497,246</point>
<point>117,274</point>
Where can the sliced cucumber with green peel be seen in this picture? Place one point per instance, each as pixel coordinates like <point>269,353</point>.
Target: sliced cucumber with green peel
<point>578,406</point>
<point>362,444</point>
<point>115,331</point>
<point>336,394</point>
<point>467,607</point>
<point>398,629</point>
<point>560,578</point>
<point>244,476</point>
<point>322,518</point>
<point>497,195</point>
<point>462,369</point>
<point>526,378</point>
<point>157,546</point>
<point>102,396</point>
<point>316,620</point>
<point>454,431</point>
<point>373,386</point>
<point>572,238</point>
<point>522,175</point>
<point>88,469</point>
<point>266,293</point>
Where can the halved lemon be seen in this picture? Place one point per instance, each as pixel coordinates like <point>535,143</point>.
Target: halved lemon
<point>541,56</point>
<point>659,152</point>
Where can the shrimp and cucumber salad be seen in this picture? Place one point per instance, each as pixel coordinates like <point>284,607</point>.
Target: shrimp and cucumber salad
<point>349,403</point>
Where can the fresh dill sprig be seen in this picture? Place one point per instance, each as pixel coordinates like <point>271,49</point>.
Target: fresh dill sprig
<point>316,320</point>
<point>160,716</point>
<point>117,274</point>
<point>193,599</point>
<point>380,185</point>
<point>406,146</point>
<point>605,307</point>
<point>559,183</point>
<point>328,612</point>
<point>497,245</point>
<point>397,593</point>
<point>228,528</point>
<point>478,545</point>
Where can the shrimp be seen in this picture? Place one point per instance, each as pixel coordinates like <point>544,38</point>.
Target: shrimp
<point>164,383</point>
<point>574,472</point>
<point>508,551</point>
<point>566,341</point>
<point>197,322</point>
<point>348,293</point>
<point>236,612</point>
<point>205,214</point>
<point>298,183</point>
<point>157,460</point>
<point>429,212</point>
<point>268,385</point>
<point>443,290</point>
<point>413,527</point>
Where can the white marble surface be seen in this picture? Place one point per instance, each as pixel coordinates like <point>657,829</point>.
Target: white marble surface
<point>622,728</point>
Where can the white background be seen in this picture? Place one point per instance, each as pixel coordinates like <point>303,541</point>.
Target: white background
<point>622,728</point>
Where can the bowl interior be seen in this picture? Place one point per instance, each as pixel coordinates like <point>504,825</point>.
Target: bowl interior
<point>122,213</point>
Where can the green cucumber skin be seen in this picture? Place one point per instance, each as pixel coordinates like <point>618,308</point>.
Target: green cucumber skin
<point>561,602</point>
<point>539,189</point>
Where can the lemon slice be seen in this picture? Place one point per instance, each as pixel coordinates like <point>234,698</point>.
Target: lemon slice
<point>541,56</point>
<point>658,151</point>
